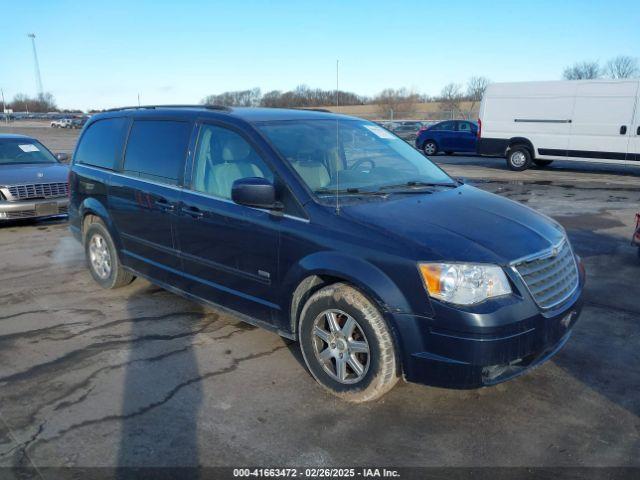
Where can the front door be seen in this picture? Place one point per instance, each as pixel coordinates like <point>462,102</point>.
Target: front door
<point>229,252</point>
<point>143,198</point>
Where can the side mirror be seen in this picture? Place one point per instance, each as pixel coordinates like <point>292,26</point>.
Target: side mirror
<point>62,157</point>
<point>255,192</point>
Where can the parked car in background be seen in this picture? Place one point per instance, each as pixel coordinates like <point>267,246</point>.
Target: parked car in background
<point>331,231</point>
<point>578,120</point>
<point>448,137</point>
<point>62,123</point>
<point>407,130</point>
<point>78,123</point>
<point>33,182</point>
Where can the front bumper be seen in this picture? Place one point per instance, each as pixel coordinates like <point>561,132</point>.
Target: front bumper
<point>33,208</point>
<point>499,351</point>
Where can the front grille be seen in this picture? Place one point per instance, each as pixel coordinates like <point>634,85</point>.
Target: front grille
<point>37,190</point>
<point>21,214</point>
<point>550,278</point>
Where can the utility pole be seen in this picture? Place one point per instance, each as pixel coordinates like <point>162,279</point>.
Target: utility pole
<point>32,36</point>
<point>4,108</point>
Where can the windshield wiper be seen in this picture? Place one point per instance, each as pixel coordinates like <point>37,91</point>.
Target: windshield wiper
<point>348,191</point>
<point>416,183</point>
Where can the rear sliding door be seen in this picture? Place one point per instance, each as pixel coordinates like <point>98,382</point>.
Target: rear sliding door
<point>143,199</point>
<point>603,120</point>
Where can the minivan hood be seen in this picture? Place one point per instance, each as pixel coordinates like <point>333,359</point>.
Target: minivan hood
<point>464,224</point>
<point>19,173</point>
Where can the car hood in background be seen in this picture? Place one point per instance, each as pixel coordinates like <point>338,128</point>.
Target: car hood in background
<point>19,173</point>
<point>463,224</point>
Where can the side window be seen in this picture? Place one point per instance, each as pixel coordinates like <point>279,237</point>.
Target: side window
<point>156,149</point>
<point>464,126</point>
<point>222,157</point>
<point>101,145</point>
<point>446,126</point>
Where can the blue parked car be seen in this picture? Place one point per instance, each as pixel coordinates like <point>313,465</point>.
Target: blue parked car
<point>330,231</point>
<point>448,137</point>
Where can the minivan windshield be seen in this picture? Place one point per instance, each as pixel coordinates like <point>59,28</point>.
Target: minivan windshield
<point>352,156</point>
<point>18,151</point>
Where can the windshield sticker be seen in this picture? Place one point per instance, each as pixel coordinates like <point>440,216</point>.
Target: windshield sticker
<point>29,147</point>
<point>380,132</point>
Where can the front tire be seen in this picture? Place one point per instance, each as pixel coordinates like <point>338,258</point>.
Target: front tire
<point>430,147</point>
<point>347,344</point>
<point>102,258</point>
<point>518,158</point>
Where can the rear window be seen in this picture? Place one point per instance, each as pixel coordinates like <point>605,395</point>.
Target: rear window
<point>156,149</point>
<point>101,145</point>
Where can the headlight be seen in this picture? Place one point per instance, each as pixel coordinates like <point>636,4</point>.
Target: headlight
<point>464,283</point>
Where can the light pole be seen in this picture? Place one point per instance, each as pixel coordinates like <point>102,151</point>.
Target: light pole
<point>32,36</point>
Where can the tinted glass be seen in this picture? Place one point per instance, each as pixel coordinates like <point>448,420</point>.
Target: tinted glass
<point>24,151</point>
<point>448,126</point>
<point>222,157</point>
<point>156,149</point>
<point>358,154</point>
<point>101,145</point>
<point>464,127</point>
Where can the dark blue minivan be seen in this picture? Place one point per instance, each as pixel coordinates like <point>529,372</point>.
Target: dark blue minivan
<point>331,231</point>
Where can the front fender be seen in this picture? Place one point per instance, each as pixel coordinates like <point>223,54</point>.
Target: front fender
<point>363,275</point>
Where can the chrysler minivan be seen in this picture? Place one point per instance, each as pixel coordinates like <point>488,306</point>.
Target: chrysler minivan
<point>331,231</point>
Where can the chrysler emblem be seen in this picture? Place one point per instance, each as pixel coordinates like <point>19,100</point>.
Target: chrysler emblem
<point>40,174</point>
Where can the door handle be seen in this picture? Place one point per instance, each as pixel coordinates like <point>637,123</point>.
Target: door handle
<point>193,212</point>
<point>638,130</point>
<point>623,129</point>
<point>164,205</point>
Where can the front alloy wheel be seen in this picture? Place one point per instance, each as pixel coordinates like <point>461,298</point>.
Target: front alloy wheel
<point>347,345</point>
<point>341,346</point>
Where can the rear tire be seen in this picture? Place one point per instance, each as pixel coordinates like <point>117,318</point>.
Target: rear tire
<point>542,163</point>
<point>102,258</point>
<point>347,344</point>
<point>518,158</point>
<point>430,148</point>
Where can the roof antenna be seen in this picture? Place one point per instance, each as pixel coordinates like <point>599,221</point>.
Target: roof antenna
<point>337,143</point>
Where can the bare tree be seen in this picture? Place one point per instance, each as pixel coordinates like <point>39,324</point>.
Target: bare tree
<point>476,87</point>
<point>622,66</point>
<point>238,98</point>
<point>450,98</point>
<point>42,103</point>
<point>582,71</point>
<point>396,102</point>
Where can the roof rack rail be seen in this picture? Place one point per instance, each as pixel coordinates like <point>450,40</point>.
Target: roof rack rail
<point>151,107</point>
<point>313,109</point>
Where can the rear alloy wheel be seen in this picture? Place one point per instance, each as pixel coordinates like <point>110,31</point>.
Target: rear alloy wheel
<point>518,158</point>
<point>347,345</point>
<point>430,147</point>
<point>102,258</point>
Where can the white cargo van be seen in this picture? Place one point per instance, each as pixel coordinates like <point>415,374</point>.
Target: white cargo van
<point>583,120</point>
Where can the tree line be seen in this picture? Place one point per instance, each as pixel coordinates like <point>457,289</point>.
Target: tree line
<point>39,104</point>
<point>618,67</point>
<point>388,100</point>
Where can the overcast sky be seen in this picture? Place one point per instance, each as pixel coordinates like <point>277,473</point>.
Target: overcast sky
<point>102,54</point>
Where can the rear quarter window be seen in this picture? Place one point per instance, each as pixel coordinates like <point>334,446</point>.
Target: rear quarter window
<point>156,149</point>
<point>101,145</point>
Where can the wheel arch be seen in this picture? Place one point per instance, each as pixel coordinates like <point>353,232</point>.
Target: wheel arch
<point>521,141</point>
<point>325,268</point>
<point>92,208</point>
